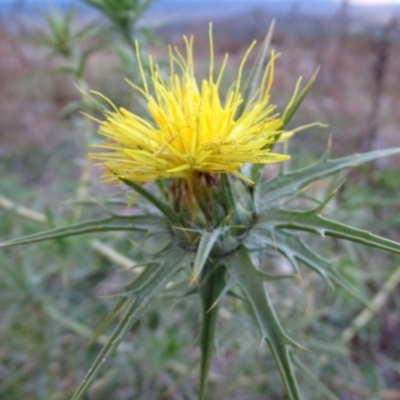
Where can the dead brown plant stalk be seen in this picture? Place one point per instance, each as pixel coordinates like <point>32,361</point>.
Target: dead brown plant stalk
<point>382,47</point>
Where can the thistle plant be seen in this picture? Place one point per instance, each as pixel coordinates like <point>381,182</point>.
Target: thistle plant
<point>211,205</point>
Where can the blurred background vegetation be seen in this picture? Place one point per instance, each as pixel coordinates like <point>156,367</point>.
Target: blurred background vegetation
<point>53,295</point>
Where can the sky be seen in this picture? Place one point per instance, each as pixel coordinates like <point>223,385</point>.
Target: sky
<point>374,2</point>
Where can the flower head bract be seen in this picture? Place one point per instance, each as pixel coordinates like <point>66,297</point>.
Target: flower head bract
<point>190,127</point>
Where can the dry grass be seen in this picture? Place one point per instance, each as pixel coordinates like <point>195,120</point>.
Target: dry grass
<point>31,100</point>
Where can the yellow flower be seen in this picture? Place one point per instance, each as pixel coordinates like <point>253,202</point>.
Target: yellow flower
<point>191,128</point>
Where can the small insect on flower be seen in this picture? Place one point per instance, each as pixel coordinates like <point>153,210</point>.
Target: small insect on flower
<point>191,128</point>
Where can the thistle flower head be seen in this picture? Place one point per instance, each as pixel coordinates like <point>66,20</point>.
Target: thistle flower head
<point>191,128</point>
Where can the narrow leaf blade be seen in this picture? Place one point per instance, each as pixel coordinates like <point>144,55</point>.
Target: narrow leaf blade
<point>169,213</point>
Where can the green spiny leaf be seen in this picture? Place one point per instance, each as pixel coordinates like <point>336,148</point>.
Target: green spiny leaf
<point>112,223</point>
<point>108,320</point>
<point>311,222</point>
<point>291,183</point>
<point>172,261</point>
<point>141,281</point>
<point>247,277</point>
<point>317,384</point>
<point>295,249</point>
